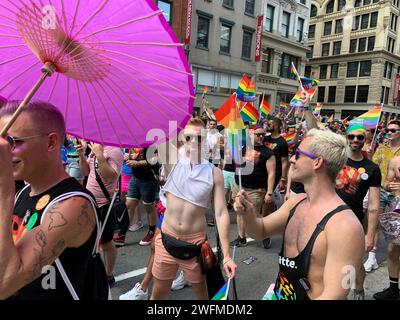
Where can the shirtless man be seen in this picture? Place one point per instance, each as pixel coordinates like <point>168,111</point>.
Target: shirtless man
<point>323,238</point>
<point>190,185</point>
<point>392,184</point>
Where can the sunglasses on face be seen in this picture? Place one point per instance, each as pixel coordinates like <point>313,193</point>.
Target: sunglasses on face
<point>259,135</point>
<point>359,137</point>
<point>391,130</point>
<point>193,137</point>
<point>307,154</point>
<point>13,141</point>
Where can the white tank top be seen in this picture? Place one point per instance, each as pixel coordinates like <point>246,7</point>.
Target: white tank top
<point>191,182</point>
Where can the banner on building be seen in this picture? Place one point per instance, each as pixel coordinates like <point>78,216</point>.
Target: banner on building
<point>259,38</point>
<point>396,89</point>
<point>188,23</point>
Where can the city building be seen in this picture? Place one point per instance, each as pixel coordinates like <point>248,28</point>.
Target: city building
<point>283,42</point>
<point>354,51</point>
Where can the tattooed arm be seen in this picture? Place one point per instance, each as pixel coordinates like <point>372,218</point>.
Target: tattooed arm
<point>68,224</point>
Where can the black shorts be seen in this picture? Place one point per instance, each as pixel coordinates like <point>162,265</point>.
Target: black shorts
<point>108,232</point>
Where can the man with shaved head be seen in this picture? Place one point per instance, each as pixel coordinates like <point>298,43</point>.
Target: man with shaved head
<point>52,224</point>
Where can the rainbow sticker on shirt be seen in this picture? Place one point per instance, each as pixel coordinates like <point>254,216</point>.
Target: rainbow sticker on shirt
<point>284,289</point>
<point>20,226</point>
<point>271,145</point>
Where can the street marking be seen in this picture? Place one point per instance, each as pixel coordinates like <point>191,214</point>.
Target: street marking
<point>141,271</point>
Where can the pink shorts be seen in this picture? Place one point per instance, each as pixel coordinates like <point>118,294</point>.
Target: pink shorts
<point>165,266</point>
<point>125,178</point>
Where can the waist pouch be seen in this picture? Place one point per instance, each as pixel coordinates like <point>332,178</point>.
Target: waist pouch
<point>180,249</point>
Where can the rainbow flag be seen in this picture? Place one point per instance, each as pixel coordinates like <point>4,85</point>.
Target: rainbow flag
<point>296,101</point>
<point>283,106</point>
<point>222,293</point>
<point>308,83</point>
<point>289,137</point>
<point>294,70</point>
<point>369,119</point>
<point>205,90</point>
<point>249,113</point>
<point>247,90</point>
<point>265,109</point>
<point>317,109</point>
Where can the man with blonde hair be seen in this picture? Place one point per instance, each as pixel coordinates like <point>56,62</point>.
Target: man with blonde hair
<point>323,240</point>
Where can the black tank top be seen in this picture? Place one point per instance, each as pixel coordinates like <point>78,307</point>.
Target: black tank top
<point>28,212</point>
<point>292,283</point>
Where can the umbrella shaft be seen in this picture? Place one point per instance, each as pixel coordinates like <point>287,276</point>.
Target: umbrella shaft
<point>24,103</point>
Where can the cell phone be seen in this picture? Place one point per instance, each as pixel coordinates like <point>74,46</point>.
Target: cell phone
<point>249,260</point>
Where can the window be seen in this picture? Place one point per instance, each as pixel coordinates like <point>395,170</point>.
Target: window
<point>249,7</point>
<point>362,43</point>
<point>365,68</point>
<point>334,71</point>
<point>356,23</point>
<point>323,70</point>
<point>390,44</point>
<point>393,22</point>
<point>336,47</point>
<point>166,8</point>
<point>327,28</point>
<point>371,43</point>
<point>349,93</point>
<point>321,94</point>
<point>339,26</point>
<point>285,65</point>
<point>387,72</point>
<point>246,45</point>
<point>269,18</point>
<point>300,29</point>
<point>358,3</point>
<point>225,39</point>
<point>374,20</point>
<point>352,69</point>
<point>203,28</point>
<point>325,49</point>
<point>387,92</point>
<point>366,2</point>
<point>313,11</point>
<point>310,52</point>
<point>303,2</point>
<point>382,94</point>
<point>330,5</point>
<point>311,31</point>
<point>228,3</point>
<point>285,24</point>
<point>353,45</point>
<point>341,4</point>
<point>364,21</point>
<point>332,94</point>
<point>266,60</point>
<point>362,93</point>
<point>307,71</point>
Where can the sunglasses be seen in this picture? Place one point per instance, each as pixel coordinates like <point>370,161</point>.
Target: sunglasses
<point>192,137</point>
<point>13,141</point>
<point>359,137</point>
<point>259,134</point>
<point>391,130</point>
<point>307,154</point>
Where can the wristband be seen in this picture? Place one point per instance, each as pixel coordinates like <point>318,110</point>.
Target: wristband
<point>269,194</point>
<point>227,261</point>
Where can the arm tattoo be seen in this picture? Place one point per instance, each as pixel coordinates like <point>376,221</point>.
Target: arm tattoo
<point>56,220</point>
<point>84,218</point>
<point>41,239</point>
<point>40,262</point>
<point>58,248</point>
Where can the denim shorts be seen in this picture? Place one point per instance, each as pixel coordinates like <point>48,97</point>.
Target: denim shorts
<point>145,190</point>
<point>385,198</point>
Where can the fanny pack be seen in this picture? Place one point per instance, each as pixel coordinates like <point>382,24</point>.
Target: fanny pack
<point>180,249</point>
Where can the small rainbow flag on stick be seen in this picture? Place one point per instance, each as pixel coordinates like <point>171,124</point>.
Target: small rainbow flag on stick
<point>222,293</point>
<point>294,70</point>
<point>289,137</point>
<point>249,113</point>
<point>296,101</point>
<point>205,90</point>
<point>265,108</point>
<point>309,83</point>
<point>369,119</point>
<point>247,90</point>
<point>317,109</point>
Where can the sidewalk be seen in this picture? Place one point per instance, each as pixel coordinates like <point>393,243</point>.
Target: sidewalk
<point>376,281</point>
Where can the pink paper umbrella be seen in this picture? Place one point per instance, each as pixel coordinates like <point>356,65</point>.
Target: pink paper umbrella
<point>114,68</point>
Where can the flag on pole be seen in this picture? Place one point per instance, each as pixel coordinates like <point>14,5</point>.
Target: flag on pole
<point>369,119</point>
<point>265,108</point>
<point>331,118</point>
<point>309,83</point>
<point>317,109</point>
<point>222,293</point>
<point>205,90</point>
<point>296,101</point>
<point>247,90</point>
<point>249,113</point>
<point>289,138</point>
<point>294,70</point>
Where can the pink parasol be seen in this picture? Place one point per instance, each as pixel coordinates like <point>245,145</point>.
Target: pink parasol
<point>114,68</point>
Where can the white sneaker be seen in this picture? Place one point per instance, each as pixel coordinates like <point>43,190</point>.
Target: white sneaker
<point>358,295</point>
<point>180,282</point>
<point>371,264</point>
<point>135,294</point>
<point>136,226</point>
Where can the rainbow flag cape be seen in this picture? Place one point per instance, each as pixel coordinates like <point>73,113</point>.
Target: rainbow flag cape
<point>309,83</point>
<point>289,137</point>
<point>317,109</point>
<point>222,293</point>
<point>296,101</point>
<point>249,113</point>
<point>247,90</point>
<point>265,109</point>
<point>369,119</point>
<point>294,70</point>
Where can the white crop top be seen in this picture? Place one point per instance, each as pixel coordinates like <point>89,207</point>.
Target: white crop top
<point>191,182</point>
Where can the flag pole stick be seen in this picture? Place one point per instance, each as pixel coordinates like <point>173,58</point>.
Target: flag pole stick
<point>229,280</point>
<point>376,128</point>
<point>238,147</point>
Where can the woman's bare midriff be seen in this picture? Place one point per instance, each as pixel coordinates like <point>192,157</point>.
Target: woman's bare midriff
<point>183,217</point>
